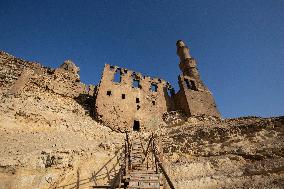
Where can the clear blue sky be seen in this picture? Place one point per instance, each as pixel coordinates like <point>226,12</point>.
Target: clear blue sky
<point>239,45</point>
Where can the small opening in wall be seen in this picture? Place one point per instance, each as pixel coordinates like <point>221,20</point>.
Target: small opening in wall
<point>154,102</point>
<point>137,100</point>
<point>108,93</point>
<point>169,91</point>
<point>187,83</point>
<point>111,67</point>
<point>117,76</point>
<point>123,96</point>
<point>136,83</point>
<point>193,86</point>
<point>154,87</point>
<point>138,107</point>
<point>136,126</point>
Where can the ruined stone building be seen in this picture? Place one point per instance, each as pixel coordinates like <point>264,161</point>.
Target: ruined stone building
<point>49,138</point>
<point>127,99</point>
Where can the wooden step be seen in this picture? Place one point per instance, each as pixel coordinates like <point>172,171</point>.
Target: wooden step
<point>143,180</point>
<point>144,175</point>
<point>146,179</point>
<point>138,187</point>
<point>144,186</point>
<point>148,172</point>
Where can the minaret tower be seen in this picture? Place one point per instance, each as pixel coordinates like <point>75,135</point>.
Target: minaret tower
<point>194,98</point>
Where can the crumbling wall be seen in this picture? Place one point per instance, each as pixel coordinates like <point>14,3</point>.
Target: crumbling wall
<point>120,103</point>
<point>17,74</point>
<point>194,98</point>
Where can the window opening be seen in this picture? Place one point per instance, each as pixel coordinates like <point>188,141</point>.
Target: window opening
<point>154,87</point>
<point>137,100</point>
<point>136,126</point>
<point>193,86</point>
<point>123,96</point>
<point>117,76</point>
<point>154,102</point>
<point>108,93</point>
<point>170,92</point>
<point>138,107</point>
<point>136,83</point>
<point>187,83</point>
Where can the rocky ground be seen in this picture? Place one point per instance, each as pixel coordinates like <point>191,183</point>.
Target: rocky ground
<point>206,152</point>
<point>49,138</point>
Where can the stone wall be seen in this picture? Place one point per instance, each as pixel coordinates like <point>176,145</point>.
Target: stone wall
<point>119,103</point>
<point>16,75</point>
<point>194,98</point>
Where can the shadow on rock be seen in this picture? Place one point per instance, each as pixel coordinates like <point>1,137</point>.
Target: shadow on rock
<point>88,103</point>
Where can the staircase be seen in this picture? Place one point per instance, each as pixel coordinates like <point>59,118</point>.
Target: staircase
<point>141,167</point>
<point>142,173</point>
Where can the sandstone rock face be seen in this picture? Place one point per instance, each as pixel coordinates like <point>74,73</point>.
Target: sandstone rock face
<point>17,75</point>
<point>70,67</point>
<point>49,138</point>
<point>235,153</point>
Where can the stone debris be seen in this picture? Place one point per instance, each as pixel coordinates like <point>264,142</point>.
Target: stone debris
<point>174,118</point>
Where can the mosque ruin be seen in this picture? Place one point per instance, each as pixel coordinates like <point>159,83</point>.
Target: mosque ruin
<point>128,100</point>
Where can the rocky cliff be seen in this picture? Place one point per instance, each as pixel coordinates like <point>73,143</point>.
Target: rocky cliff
<point>49,138</point>
<point>206,152</point>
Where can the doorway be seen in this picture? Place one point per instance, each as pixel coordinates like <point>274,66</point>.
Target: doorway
<point>136,126</point>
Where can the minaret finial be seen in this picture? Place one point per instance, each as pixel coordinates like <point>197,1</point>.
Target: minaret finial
<point>182,50</point>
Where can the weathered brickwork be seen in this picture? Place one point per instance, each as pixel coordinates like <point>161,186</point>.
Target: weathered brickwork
<point>128,100</point>
<point>17,75</point>
<point>131,100</point>
<point>194,97</point>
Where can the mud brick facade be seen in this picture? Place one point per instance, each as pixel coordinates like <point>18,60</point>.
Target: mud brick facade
<point>128,100</point>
